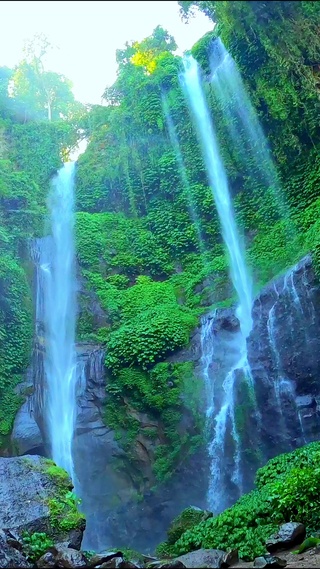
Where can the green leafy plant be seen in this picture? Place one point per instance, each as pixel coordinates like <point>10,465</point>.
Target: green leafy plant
<point>35,544</point>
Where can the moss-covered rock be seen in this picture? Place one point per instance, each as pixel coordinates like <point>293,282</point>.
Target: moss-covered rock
<point>36,497</point>
<point>188,518</point>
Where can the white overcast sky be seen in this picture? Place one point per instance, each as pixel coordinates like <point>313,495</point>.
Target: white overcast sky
<point>87,33</point>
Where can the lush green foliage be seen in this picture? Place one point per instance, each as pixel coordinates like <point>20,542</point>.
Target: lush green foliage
<point>35,544</point>
<point>64,513</point>
<point>287,489</point>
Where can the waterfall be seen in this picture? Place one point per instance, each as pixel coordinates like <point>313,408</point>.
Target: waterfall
<point>241,280</point>
<point>59,305</point>
<point>191,82</point>
<point>207,355</point>
<point>245,130</point>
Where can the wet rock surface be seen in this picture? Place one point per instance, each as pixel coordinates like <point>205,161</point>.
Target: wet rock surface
<point>270,562</point>
<point>26,436</point>
<point>288,535</point>
<point>202,558</point>
<point>9,556</point>
<point>284,356</point>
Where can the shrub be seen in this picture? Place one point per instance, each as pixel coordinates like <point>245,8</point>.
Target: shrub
<point>288,489</point>
<point>35,544</point>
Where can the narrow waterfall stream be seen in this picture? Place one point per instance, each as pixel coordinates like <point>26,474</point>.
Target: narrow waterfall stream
<point>59,299</point>
<point>244,128</point>
<point>241,280</point>
<point>191,82</point>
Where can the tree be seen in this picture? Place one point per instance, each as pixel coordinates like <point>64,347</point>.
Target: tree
<point>41,94</point>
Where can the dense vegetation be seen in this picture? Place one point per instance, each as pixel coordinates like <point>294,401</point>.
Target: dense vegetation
<point>149,241</point>
<point>287,489</point>
<point>31,150</point>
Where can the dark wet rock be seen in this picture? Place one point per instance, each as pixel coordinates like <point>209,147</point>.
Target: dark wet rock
<point>99,558</point>
<point>289,535</point>
<point>125,564</point>
<point>75,538</point>
<point>270,562</point>
<point>13,539</point>
<point>290,306</point>
<point>62,557</point>
<point>69,558</point>
<point>202,558</point>
<point>26,436</point>
<point>114,563</point>
<point>46,561</point>
<point>9,556</point>
<point>230,558</point>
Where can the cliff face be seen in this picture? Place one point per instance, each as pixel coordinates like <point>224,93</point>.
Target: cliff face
<point>276,393</point>
<point>284,356</point>
<point>283,363</point>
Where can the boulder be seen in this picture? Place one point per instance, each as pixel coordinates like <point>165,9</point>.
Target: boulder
<point>9,556</point>
<point>270,562</point>
<point>230,558</point>
<point>188,518</point>
<point>114,563</point>
<point>29,487</point>
<point>68,558</point>
<point>46,561</point>
<point>211,558</point>
<point>289,535</point>
<point>103,557</point>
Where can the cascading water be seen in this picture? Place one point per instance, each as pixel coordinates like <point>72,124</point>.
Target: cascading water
<point>191,82</point>
<point>218,181</point>
<point>207,355</point>
<point>245,130</point>
<point>59,299</point>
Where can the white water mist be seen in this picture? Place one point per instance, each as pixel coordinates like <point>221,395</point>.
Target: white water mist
<point>60,320</point>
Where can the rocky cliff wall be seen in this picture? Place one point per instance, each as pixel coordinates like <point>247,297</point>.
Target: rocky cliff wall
<point>284,363</point>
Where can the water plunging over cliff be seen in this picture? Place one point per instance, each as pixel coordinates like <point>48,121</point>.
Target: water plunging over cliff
<point>59,300</point>
<point>219,185</point>
<point>241,280</point>
<point>244,129</point>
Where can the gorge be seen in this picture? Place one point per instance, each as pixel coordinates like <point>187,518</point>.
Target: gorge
<point>160,326</point>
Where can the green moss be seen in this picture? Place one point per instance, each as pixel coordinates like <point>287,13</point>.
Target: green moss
<point>64,513</point>
<point>59,475</point>
<point>188,518</point>
<point>307,544</point>
<point>164,392</point>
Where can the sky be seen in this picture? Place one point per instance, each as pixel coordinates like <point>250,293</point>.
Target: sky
<point>86,35</point>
